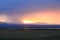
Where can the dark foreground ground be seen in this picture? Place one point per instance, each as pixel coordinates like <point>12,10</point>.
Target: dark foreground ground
<point>29,34</point>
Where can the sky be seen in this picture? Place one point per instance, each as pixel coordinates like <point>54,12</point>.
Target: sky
<point>30,11</point>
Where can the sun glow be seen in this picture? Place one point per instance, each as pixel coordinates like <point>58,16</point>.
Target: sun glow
<point>27,22</point>
<point>50,17</point>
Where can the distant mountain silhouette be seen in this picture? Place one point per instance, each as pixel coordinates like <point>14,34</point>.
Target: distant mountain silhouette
<point>7,23</point>
<point>41,23</point>
<point>36,25</point>
<point>3,23</point>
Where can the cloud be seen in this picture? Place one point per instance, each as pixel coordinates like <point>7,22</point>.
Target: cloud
<point>16,9</point>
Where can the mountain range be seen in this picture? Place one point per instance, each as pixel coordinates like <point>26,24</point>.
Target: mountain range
<point>37,25</point>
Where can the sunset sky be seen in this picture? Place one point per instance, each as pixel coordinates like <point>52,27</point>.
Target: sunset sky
<point>30,11</point>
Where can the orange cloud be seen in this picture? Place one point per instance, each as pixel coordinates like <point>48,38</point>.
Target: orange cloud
<point>48,16</point>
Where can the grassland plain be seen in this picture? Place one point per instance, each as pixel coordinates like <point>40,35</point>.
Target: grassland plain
<point>29,34</point>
